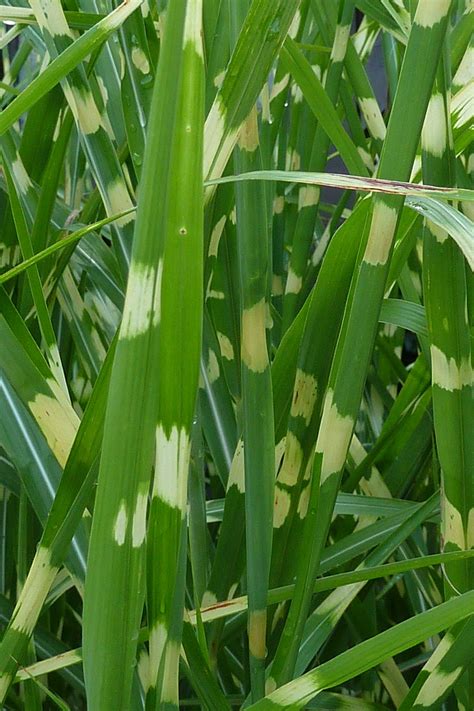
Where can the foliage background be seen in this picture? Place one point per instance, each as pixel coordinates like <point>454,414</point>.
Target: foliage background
<point>236,451</point>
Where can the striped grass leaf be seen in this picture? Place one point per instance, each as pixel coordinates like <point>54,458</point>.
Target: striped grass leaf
<point>292,484</point>
<point>253,56</point>
<point>217,406</point>
<point>345,381</point>
<point>107,76</point>
<point>257,401</point>
<point>317,569</point>
<point>450,350</point>
<point>29,374</point>
<point>296,694</point>
<point>35,284</point>
<point>87,112</point>
<point>181,314</point>
<point>71,57</point>
<point>64,660</point>
<point>121,509</point>
<point>322,106</point>
<point>441,671</point>
<point>57,246</point>
<point>353,182</point>
<point>137,60</point>
<point>321,623</point>
<point>308,196</point>
<point>330,582</point>
<point>283,396</point>
<point>24,15</point>
<point>71,498</point>
<point>258,434</point>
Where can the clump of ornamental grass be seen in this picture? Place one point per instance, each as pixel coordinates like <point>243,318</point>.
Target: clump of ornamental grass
<point>236,451</point>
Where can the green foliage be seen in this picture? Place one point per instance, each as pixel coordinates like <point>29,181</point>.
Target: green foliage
<point>236,451</point>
